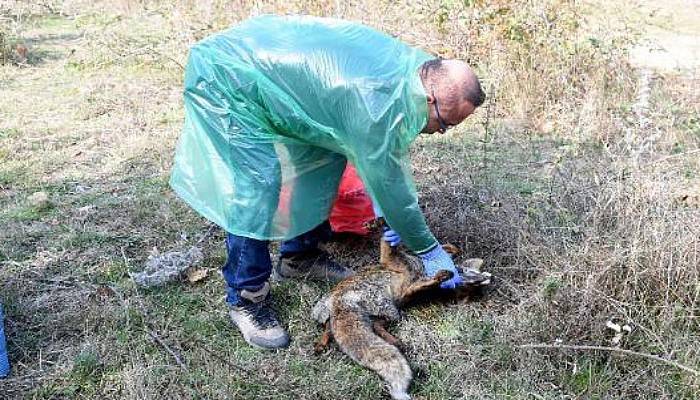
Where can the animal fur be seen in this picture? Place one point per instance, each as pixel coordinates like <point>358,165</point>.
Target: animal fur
<point>356,310</point>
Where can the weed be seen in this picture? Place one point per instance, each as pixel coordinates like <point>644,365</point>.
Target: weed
<point>590,379</point>
<point>551,287</point>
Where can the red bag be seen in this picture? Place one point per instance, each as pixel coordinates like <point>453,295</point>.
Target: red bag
<point>353,206</point>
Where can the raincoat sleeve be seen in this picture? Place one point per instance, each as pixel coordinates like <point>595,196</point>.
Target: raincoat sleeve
<point>386,171</point>
<point>377,129</point>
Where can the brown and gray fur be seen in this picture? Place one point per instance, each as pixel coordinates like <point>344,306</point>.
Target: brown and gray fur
<point>355,311</point>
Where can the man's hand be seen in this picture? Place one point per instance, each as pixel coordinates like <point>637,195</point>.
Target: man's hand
<point>437,259</point>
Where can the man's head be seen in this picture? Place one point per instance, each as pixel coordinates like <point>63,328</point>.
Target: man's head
<point>453,93</point>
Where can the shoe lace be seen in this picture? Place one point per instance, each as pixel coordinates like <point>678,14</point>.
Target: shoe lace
<point>261,313</point>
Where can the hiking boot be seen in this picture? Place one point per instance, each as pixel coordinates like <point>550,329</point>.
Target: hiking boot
<point>315,265</point>
<point>257,321</point>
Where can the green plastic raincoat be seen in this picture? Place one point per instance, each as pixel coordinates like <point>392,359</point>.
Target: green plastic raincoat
<point>275,106</point>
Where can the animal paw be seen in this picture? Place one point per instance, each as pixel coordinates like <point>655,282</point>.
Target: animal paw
<point>320,348</point>
<point>443,275</point>
<point>450,249</point>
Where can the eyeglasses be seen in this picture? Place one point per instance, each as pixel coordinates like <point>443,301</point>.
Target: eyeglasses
<point>443,125</point>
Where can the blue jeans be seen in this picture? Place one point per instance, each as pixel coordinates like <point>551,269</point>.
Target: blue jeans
<point>248,265</point>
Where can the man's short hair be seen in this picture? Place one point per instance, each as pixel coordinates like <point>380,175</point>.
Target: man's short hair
<point>434,70</point>
<point>474,94</point>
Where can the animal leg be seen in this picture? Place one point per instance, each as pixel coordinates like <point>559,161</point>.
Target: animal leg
<point>325,339</point>
<point>388,259</point>
<point>421,285</point>
<point>381,331</point>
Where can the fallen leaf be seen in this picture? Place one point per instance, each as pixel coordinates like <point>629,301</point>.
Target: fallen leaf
<point>616,340</point>
<point>22,52</point>
<point>613,326</point>
<point>39,200</point>
<point>104,291</point>
<point>196,274</point>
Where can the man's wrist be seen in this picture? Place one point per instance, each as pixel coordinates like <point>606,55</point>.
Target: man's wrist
<point>377,211</point>
<point>429,252</point>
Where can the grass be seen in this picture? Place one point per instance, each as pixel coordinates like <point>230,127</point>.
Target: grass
<point>583,214</point>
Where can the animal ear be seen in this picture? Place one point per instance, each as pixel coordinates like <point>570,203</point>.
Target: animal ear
<point>473,263</point>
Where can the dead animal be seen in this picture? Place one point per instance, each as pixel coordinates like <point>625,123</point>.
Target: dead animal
<point>356,311</point>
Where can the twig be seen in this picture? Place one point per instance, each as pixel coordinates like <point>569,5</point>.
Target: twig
<point>491,103</point>
<point>208,234</point>
<point>160,53</point>
<point>147,326</point>
<point>231,364</point>
<point>250,373</point>
<point>662,159</point>
<point>167,348</point>
<point>611,349</point>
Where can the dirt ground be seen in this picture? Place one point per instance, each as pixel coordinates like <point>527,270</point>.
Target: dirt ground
<point>578,183</point>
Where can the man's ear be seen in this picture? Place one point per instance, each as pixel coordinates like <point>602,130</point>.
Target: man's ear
<point>430,98</point>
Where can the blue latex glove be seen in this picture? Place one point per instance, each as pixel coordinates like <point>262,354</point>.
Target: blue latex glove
<point>389,235</point>
<point>437,259</point>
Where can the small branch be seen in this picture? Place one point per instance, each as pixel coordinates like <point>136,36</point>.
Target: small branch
<point>147,326</point>
<point>492,102</point>
<point>489,107</point>
<point>160,53</point>
<point>246,371</point>
<point>208,234</point>
<point>672,156</point>
<point>613,350</point>
<point>167,348</point>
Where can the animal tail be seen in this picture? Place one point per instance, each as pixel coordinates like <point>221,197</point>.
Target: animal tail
<point>354,334</point>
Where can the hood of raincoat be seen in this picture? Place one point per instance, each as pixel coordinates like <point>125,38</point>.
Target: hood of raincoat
<point>275,106</point>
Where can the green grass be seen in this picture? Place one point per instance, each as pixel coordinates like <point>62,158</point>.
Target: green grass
<point>436,383</point>
<point>592,379</point>
<point>9,133</point>
<point>28,213</point>
<point>550,287</point>
<point>14,173</point>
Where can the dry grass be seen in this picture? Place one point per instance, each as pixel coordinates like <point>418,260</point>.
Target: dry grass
<point>578,184</point>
